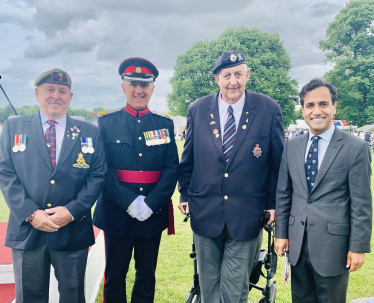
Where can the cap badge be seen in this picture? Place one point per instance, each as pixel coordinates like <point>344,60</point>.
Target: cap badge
<point>58,76</point>
<point>240,57</point>
<point>138,69</point>
<point>233,58</point>
<point>257,151</point>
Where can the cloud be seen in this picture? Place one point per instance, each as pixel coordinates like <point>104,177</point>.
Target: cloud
<point>90,38</point>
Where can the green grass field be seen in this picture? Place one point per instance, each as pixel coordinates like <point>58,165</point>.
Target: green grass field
<point>174,268</point>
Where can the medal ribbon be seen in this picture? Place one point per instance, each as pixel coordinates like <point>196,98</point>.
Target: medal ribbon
<point>16,140</point>
<point>89,142</point>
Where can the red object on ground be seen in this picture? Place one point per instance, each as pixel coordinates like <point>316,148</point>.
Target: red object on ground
<point>7,293</point>
<point>5,252</point>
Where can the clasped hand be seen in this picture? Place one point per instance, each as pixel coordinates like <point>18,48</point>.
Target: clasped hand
<point>139,209</point>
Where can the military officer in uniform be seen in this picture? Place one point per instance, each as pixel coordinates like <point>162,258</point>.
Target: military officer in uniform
<point>135,207</point>
<point>52,170</point>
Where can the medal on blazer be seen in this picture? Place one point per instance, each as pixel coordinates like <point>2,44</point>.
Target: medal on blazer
<point>19,143</point>
<point>81,163</point>
<point>257,151</point>
<point>90,148</point>
<point>84,147</point>
<point>216,132</point>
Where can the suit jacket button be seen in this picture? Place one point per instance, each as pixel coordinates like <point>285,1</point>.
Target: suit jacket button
<point>53,182</point>
<point>140,154</point>
<point>225,197</point>
<point>118,141</point>
<point>141,189</point>
<point>309,201</point>
<point>226,175</point>
<point>49,204</point>
<point>302,222</point>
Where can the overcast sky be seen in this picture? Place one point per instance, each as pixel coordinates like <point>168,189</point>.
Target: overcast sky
<point>90,38</point>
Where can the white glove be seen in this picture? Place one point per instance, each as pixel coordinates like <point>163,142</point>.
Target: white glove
<point>139,209</point>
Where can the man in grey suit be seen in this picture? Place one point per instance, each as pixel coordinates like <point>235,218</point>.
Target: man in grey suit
<point>323,202</point>
<point>52,170</point>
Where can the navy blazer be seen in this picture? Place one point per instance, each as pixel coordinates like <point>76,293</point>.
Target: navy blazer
<point>28,182</point>
<point>236,192</point>
<point>126,149</point>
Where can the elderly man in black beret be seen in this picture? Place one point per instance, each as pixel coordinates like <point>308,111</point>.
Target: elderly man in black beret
<point>52,170</point>
<point>135,205</point>
<point>228,177</point>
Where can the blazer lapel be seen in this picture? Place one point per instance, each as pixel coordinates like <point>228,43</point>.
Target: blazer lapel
<point>331,152</point>
<point>37,136</point>
<point>212,114</point>
<point>247,113</point>
<point>300,159</point>
<point>67,143</point>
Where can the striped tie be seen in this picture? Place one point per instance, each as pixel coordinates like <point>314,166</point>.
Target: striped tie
<point>229,133</point>
<point>50,139</point>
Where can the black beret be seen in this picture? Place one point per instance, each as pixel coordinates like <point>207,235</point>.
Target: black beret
<point>138,69</point>
<point>55,76</point>
<point>229,59</point>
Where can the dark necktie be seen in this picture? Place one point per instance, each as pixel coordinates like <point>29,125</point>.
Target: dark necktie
<point>229,133</point>
<point>311,165</point>
<point>50,139</point>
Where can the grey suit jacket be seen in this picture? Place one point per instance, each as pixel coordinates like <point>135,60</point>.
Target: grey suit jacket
<point>339,208</point>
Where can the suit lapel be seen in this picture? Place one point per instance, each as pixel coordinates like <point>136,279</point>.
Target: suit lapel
<point>300,160</point>
<point>67,143</point>
<point>37,136</point>
<point>212,114</point>
<point>247,113</point>
<point>331,152</point>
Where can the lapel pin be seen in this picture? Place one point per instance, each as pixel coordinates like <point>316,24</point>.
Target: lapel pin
<point>213,122</point>
<point>212,116</point>
<point>246,121</point>
<point>244,126</point>
<point>246,113</point>
<point>216,132</point>
<point>257,151</point>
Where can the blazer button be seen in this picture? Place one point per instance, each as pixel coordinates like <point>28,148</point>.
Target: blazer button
<point>53,182</point>
<point>139,121</point>
<point>49,204</point>
<point>302,222</point>
<point>140,154</point>
<point>141,189</point>
<point>118,141</point>
<point>226,175</point>
<point>225,197</point>
<point>309,201</point>
<point>140,138</point>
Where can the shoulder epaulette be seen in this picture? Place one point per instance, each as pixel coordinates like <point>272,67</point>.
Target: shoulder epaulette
<point>107,112</point>
<point>162,114</point>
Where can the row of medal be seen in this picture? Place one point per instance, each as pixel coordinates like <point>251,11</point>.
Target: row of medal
<point>19,143</point>
<point>157,137</point>
<point>86,145</point>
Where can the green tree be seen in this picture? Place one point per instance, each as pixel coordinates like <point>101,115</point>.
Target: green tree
<point>350,47</point>
<point>266,57</point>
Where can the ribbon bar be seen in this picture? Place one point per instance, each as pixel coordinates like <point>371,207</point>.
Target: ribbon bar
<point>130,176</point>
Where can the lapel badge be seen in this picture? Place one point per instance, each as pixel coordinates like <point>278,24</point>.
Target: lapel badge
<point>212,116</point>
<point>244,126</point>
<point>246,121</point>
<point>81,163</point>
<point>213,122</point>
<point>216,132</point>
<point>257,151</point>
<point>246,113</point>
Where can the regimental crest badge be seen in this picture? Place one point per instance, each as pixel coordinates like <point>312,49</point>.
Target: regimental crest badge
<point>81,163</point>
<point>257,151</point>
<point>233,58</point>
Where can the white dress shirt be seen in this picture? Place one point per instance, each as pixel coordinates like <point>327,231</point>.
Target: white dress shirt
<point>60,126</point>
<point>237,108</point>
<point>323,143</point>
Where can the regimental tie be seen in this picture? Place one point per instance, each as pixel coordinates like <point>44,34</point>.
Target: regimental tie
<point>229,133</point>
<point>50,139</point>
<point>311,165</point>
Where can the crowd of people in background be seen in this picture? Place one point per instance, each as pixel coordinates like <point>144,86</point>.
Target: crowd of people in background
<point>366,136</point>
<point>290,134</point>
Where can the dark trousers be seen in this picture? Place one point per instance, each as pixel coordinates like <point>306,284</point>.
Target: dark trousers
<point>118,255</point>
<point>32,271</point>
<point>309,287</point>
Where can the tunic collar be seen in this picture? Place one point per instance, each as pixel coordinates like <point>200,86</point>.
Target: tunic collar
<point>136,112</point>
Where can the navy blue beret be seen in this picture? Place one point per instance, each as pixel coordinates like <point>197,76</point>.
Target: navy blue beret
<point>138,69</point>
<point>229,59</point>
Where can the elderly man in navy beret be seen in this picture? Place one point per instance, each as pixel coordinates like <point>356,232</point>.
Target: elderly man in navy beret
<point>52,170</point>
<point>228,177</point>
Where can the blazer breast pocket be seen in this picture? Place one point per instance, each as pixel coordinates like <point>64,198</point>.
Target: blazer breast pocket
<point>80,163</point>
<point>336,171</point>
<point>120,148</point>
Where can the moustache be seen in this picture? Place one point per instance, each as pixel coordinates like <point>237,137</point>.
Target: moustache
<point>58,101</point>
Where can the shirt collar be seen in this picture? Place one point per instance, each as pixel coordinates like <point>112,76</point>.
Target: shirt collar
<point>238,105</point>
<point>327,135</point>
<point>61,121</point>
